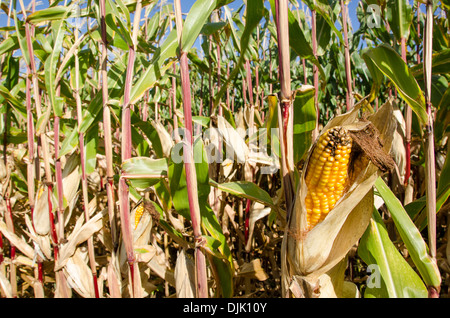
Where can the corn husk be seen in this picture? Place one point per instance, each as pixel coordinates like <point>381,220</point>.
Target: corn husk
<point>41,219</point>
<point>307,256</point>
<point>81,233</point>
<point>79,275</point>
<point>184,275</point>
<point>166,140</point>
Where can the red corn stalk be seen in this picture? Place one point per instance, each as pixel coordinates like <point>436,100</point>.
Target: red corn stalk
<point>43,141</point>
<point>191,178</point>
<point>31,175</point>
<point>107,129</point>
<point>126,154</point>
<point>84,184</point>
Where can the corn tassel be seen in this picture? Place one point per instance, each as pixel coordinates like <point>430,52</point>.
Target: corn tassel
<point>327,174</point>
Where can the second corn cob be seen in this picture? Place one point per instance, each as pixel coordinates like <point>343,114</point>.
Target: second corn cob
<point>327,174</point>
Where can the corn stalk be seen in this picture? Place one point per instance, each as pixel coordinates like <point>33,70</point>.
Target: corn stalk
<point>286,125</point>
<point>348,72</point>
<point>201,283</point>
<point>84,184</point>
<point>124,199</point>
<point>430,169</point>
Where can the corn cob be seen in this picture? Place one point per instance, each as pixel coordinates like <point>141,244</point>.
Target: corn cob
<point>138,214</point>
<point>327,174</point>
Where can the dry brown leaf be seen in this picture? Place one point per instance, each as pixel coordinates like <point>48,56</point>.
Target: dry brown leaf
<point>41,220</point>
<point>235,144</point>
<point>184,275</point>
<point>144,253</point>
<point>114,283</point>
<point>257,212</point>
<point>79,275</point>
<point>19,243</point>
<point>71,178</point>
<point>42,242</point>
<point>79,235</point>
<point>5,285</point>
<point>254,270</point>
<point>159,265</point>
<point>166,141</point>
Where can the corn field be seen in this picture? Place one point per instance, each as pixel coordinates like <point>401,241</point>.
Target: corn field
<point>224,149</point>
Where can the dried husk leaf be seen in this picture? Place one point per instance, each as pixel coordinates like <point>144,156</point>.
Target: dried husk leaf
<point>71,178</point>
<point>5,285</point>
<point>144,253</point>
<point>2,171</point>
<point>233,140</point>
<point>43,242</point>
<point>166,141</point>
<point>79,275</point>
<point>254,270</point>
<point>257,212</point>
<point>80,234</point>
<point>160,266</point>
<point>307,255</point>
<point>141,234</point>
<point>212,144</point>
<point>41,220</point>
<point>114,283</point>
<point>15,240</point>
<point>184,276</point>
<point>240,123</point>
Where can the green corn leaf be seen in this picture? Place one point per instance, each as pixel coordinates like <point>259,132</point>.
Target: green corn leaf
<point>440,62</point>
<point>410,235</point>
<point>143,172</point>
<point>69,143</point>
<point>157,68</point>
<point>245,189</point>
<point>9,44</point>
<point>48,14</point>
<point>91,141</point>
<point>51,62</point>
<point>399,17</point>
<point>389,63</point>
<point>116,24</point>
<point>304,120</point>
<point>195,21</point>
<point>15,103</point>
<point>391,276</point>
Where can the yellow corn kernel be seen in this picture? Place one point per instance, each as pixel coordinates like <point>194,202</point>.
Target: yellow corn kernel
<point>327,174</point>
<point>138,214</point>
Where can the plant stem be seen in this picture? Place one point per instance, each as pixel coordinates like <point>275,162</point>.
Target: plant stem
<point>286,133</point>
<point>107,130</point>
<point>348,72</point>
<point>191,178</point>
<point>31,66</point>
<point>408,120</point>
<point>84,184</point>
<point>315,73</point>
<point>124,199</point>
<point>430,172</point>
